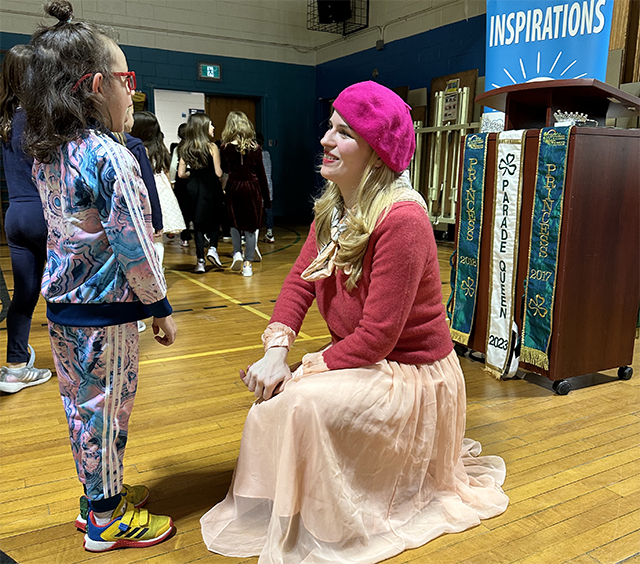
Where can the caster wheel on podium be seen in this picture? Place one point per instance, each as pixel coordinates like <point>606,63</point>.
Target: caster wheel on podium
<point>561,387</point>
<point>625,372</point>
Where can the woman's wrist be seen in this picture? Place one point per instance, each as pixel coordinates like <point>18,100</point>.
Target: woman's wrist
<point>278,335</point>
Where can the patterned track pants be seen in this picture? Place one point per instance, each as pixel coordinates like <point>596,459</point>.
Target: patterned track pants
<point>98,374</point>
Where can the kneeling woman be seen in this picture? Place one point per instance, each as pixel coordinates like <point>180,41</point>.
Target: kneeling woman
<point>359,454</point>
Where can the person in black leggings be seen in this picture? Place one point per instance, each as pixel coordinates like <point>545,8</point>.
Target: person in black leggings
<point>25,228</point>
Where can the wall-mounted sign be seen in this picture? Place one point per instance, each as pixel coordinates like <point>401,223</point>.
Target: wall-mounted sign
<point>529,40</point>
<point>209,71</point>
<point>139,101</point>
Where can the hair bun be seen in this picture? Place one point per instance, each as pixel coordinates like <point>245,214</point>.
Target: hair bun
<point>62,10</point>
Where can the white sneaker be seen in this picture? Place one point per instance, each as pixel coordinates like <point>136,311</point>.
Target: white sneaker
<point>247,269</point>
<point>13,380</point>
<point>213,258</point>
<point>141,326</point>
<point>236,265</point>
<point>199,267</point>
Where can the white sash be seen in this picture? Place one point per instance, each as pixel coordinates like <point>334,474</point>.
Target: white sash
<point>507,196</point>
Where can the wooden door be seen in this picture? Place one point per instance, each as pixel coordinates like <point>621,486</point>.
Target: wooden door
<point>218,108</point>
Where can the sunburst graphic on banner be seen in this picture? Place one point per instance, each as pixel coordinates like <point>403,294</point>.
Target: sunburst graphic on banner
<point>531,72</point>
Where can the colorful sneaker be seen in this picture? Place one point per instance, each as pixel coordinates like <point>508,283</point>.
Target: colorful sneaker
<point>268,237</point>
<point>213,258</point>
<point>135,495</point>
<point>247,269</point>
<point>236,265</point>
<point>199,269</point>
<point>133,528</point>
<point>13,380</point>
<point>184,243</point>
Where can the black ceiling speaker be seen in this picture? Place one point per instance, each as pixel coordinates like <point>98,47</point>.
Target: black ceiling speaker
<point>333,11</point>
<point>337,16</point>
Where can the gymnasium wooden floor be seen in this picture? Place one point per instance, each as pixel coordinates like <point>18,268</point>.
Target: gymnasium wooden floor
<point>573,462</point>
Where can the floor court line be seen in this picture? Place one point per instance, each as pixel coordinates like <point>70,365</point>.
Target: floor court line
<point>217,352</point>
<point>229,298</point>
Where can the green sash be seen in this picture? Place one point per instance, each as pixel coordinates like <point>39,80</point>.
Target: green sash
<point>544,246</point>
<point>469,232</point>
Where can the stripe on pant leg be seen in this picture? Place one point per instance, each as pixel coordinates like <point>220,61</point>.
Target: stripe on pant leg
<point>107,434</point>
<point>120,362</point>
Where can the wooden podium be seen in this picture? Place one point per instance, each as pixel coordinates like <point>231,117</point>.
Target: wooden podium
<point>598,276</point>
<point>532,104</point>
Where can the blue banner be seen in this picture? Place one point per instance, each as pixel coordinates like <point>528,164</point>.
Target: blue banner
<point>465,292</point>
<point>532,40</point>
<point>544,246</point>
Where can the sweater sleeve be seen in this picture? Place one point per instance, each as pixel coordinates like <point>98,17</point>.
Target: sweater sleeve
<point>173,167</point>
<point>400,257</point>
<point>297,295</point>
<point>120,202</point>
<point>139,152</point>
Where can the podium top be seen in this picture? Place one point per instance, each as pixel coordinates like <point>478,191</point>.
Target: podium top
<point>584,95</point>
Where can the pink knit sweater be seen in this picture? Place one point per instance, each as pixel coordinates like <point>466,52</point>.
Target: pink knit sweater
<point>396,311</point>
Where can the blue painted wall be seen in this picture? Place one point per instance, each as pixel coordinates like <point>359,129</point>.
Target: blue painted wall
<point>293,98</point>
<point>412,61</point>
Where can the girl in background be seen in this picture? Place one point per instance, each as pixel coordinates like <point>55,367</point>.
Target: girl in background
<point>246,188</point>
<point>102,272</point>
<point>180,185</point>
<point>200,164</point>
<point>147,129</point>
<point>25,228</point>
<point>140,153</point>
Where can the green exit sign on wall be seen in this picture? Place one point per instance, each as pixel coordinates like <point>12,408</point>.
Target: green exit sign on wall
<point>209,71</point>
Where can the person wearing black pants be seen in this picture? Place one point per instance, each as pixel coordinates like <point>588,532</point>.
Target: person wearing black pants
<point>26,231</point>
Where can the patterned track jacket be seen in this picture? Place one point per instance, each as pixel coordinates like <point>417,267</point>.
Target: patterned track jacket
<point>102,268</point>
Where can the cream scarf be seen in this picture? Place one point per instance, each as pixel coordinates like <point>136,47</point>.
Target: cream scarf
<point>324,264</point>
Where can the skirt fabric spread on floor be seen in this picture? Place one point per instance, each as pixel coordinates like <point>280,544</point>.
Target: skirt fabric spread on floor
<point>355,466</point>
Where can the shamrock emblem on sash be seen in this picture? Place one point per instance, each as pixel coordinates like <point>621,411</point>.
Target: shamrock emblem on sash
<point>507,165</point>
<point>536,306</point>
<point>468,286</point>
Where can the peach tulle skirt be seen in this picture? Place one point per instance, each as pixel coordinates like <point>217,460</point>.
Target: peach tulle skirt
<point>355,466</point>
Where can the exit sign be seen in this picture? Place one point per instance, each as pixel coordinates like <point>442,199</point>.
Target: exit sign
<point>209,71</point>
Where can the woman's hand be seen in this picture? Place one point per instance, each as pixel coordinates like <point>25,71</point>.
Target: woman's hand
<point>269,374</point>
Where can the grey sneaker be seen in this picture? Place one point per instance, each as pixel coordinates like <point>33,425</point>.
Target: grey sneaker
<point>13,380</point>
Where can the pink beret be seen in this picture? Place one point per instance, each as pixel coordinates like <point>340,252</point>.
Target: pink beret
<point>382,119</point>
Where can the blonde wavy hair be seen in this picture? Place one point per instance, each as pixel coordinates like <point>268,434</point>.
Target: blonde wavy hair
<point>374,197</point>
<point>239,131</point>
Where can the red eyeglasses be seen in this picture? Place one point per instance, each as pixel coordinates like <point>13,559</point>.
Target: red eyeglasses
<point>130,80</point>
